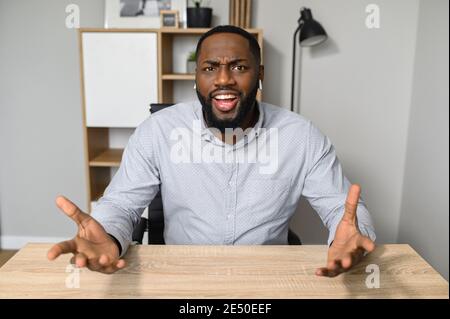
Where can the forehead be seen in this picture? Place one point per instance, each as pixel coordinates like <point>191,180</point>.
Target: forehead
<point>225,45</point>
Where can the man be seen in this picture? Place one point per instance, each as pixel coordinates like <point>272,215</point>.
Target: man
<point>219,185</point>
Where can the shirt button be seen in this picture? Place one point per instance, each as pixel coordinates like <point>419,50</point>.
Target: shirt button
<point>229,216</point>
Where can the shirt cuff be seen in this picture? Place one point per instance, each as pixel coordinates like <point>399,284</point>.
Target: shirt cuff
<point>332,229</point>
<point>117,243</point>
<point>116,223</point>
<point>367,231</point>
<point>114,232</point>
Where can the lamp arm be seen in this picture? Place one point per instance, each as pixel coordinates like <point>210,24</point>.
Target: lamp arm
<point>294,45</point>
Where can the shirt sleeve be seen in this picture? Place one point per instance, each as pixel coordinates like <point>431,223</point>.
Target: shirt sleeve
<point>326,187</point>
<point>131,190</point>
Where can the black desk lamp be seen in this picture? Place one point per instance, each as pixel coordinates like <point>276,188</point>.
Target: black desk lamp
<point>311,34</point>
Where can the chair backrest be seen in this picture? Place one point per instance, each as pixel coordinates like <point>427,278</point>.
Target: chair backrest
<point>155,209</point>
<point>155,223</point>
<point>155,107</point>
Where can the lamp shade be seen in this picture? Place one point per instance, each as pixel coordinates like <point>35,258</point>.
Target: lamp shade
<point>312,32</point>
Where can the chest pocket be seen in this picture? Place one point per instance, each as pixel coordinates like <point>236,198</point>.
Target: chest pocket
<point>267,196</point>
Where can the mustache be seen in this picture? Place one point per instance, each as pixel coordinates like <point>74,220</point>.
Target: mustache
<point>224,88</point>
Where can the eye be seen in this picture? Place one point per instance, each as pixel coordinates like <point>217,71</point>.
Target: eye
<point>209,69</point>
<point>239,68</point>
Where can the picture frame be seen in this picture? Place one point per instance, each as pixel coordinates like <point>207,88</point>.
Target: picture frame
<point>169,19</point>
<point>141,13</point>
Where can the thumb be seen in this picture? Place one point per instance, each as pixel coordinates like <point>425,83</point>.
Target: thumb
<point>72,211</point>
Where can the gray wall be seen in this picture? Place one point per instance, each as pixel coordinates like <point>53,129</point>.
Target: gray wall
<point>424,217</point>
<point>40,121</point>
<point>357,88</point>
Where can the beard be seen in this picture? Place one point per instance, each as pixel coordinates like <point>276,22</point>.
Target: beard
<point>246,105</point>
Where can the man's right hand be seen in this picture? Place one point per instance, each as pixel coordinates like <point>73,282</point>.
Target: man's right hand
<point>92,247</point>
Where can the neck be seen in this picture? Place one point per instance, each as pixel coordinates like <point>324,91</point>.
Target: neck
<point>249,121</point>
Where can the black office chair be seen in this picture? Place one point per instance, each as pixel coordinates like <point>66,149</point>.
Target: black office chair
<point>154,225</point>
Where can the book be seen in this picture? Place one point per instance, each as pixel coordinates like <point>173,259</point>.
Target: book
<point>237,6</point>
<point>231,14</point>
<point>242,13</point>
<point>248,14</point>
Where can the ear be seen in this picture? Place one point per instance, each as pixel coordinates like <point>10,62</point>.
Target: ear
<point>261,73</point>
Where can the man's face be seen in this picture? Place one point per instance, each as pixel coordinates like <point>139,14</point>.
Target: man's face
<point>227,79</point>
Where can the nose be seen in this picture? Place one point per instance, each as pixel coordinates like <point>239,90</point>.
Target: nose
<point>224,77</point>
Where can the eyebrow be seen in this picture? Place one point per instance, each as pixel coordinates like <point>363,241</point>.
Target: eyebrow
<point>216,63</point>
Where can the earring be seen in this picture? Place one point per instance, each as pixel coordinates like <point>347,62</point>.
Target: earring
<point>195,85</point>
<point>260,85</point>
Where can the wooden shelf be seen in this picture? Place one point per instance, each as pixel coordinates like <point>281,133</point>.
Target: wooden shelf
<point>108,158</point>
<point>190,31</point>
<point>182,31</point>
<point>179,76</point>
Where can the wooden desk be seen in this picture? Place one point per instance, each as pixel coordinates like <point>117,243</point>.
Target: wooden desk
<point>222,272</point>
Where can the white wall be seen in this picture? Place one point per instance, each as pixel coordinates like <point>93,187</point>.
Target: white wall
<point>425,209</point>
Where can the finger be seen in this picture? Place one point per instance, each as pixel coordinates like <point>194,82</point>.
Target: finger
<point>104,260</point>
<point>113,268</point>
<point>72,210</point>
<point>332,264</point>
<point>332,269</point>
<point>63,247</point>
<point>347,262</point>
<point>326,272</point>
<point>357,256</point>
<point>109,270</point>
<point>366,243</point>
<point>80,260</point>
<point>323,271</point>
<point>94,264</point>
<point>121,263</point>
<point>351,203</point>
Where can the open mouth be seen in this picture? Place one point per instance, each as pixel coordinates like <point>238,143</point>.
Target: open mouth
<point>225,102</point>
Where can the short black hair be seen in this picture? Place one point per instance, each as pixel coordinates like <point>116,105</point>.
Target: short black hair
<point>255,49</point>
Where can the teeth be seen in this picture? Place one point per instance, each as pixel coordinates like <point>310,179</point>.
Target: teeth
<point>224,97</point>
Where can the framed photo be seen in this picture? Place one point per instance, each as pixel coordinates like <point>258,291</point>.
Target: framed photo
<point>141,13</point>
<point>169,19</point>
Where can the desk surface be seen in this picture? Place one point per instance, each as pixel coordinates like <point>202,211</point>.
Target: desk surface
<point>221,272</point>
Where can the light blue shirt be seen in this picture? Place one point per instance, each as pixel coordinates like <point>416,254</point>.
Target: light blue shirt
<point>216,193</point>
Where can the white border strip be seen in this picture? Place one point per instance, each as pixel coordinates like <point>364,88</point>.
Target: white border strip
<point>17,242</point>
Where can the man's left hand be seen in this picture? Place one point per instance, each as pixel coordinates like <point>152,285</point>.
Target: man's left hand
<point>349,244</point>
